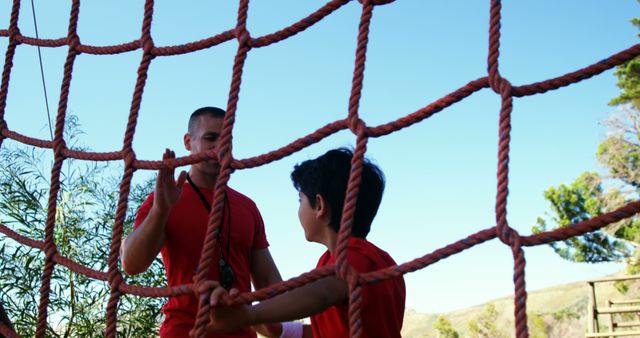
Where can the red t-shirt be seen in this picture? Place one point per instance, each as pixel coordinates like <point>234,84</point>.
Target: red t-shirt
<point>185,233</point>
<point>382,302</point>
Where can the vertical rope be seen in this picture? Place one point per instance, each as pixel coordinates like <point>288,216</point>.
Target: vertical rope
<point>59,147</point>
<point>14,32</point>
<point>355,307</point>
<point>6,328</point>
<point>225,158</point>
<point>115,276</point>
<point>520,299</point>
<point>506,234</point>
<point>494,43</point>
<point>358,127</point>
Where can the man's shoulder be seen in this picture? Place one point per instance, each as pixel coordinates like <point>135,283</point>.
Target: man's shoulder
<point>239,198</point>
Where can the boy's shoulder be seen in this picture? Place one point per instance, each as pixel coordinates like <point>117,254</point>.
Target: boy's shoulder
<point>361,246</point>
<point>363,255</point>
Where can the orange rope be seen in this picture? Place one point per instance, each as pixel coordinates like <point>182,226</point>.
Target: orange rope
<point>224,155</point>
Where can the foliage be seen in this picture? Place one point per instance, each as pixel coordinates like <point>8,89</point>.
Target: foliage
<point>591,194</point>
<point>86,207</point>
<point>444,327</point>
<point>537,326</point>
<point>629,79</point>
<point>580,201</point>
<point>484,324</point>
<point>564,314</point>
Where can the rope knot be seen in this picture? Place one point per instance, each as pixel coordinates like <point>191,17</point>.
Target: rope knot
<point>378,2</point>
<point>507,234</point>
<point>357,126</point>
<point>58,147</point>
<point>148,45</point>
<point>14,34</point>
<point>50,250</point>
<point>115,279</point>
<point>347,273</point>
<point>224,156</point>
<point>352,277</point>
<point>342,270</point>
<point>129,158</point>
<point>500,85</point>
<point>243,36</point>
<point>73,41</point>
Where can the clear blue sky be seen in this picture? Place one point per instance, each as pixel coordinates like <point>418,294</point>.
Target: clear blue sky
<point>441,173</point>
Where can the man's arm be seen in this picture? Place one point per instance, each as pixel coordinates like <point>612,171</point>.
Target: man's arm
<point>143,244</point>
<point>265,273</point>
<point>307,332</point>
<point>263,269</point>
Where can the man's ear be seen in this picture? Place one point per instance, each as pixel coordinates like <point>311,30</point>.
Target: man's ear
<point>187,141</point>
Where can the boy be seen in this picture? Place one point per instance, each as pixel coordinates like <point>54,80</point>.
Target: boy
<point>322,185</point>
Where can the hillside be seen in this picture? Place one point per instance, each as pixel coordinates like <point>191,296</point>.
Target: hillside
<point>558,311</point>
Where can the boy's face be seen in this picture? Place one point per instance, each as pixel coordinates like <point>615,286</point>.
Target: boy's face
<point>308,219</point>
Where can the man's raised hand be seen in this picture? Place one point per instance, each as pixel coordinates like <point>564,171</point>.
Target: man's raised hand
<point>167,189</point>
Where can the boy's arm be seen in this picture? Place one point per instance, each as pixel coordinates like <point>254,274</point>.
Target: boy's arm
<point>299,303</point>
<point>302,302</point>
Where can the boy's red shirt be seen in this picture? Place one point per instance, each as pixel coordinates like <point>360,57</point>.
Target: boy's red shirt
<point>382,302</point>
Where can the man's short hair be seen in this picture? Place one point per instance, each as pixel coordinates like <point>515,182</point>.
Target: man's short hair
<point>328,176</point>
<point>208,111</point>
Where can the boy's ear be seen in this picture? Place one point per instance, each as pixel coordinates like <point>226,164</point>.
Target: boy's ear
<point>322,207</point>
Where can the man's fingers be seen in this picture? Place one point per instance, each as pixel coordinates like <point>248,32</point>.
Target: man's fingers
<point>170,156</point>
<point>166,172</point>
<point>234,292</point>
<point>162,171</point>
<point>216,295</point>
<point>181,178</point>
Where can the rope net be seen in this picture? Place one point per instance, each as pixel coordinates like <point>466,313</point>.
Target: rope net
<point>224,154</point>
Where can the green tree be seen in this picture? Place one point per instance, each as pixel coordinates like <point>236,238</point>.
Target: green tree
<point>591,194</point>
<point>444,328</point>
<point>85,213</point>
<point>484,324</point>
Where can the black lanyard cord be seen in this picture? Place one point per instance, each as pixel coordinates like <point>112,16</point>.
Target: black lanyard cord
<point>227,210</point>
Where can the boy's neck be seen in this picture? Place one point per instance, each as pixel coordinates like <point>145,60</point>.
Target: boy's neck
<point>331,240</point>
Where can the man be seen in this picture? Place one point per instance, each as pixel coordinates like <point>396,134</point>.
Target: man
<point>173,220</point>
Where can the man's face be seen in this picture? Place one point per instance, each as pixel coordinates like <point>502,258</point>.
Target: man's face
<point>203,137</point>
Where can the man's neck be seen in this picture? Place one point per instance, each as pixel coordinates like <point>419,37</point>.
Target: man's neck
<point>201,180</point>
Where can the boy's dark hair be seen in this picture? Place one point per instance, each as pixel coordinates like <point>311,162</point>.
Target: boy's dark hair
<point>328,176</point>
<point>209,111</point>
